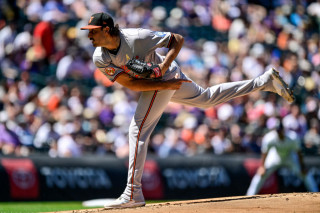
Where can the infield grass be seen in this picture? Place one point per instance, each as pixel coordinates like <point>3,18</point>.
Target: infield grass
<point>30,207</point>
<point>33,207</point>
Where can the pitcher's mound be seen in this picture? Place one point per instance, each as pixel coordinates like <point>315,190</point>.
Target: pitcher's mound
<point>290,202</point>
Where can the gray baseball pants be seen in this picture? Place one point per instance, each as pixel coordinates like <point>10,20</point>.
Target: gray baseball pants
<point>150,108</point>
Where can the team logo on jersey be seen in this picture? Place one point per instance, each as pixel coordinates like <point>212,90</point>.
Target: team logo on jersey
<point>127,57</point>
<point>160,34</point>
<point>110,70</point>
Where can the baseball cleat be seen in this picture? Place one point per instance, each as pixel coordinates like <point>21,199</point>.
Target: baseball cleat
<point>123,203</point>
<point>280,86</point>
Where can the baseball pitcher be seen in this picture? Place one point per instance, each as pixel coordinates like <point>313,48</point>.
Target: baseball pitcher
<point>128,57</point>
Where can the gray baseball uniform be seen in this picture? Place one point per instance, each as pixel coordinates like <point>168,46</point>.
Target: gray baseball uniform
<point>141,44</point>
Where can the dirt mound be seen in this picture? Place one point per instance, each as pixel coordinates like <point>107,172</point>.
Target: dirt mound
<point>290,202</point>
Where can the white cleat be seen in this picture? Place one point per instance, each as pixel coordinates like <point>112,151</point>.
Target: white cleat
<point>280,86</point>
<point>123,203</point>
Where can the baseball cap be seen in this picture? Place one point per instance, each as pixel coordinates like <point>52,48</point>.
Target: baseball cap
<point>99,20</point>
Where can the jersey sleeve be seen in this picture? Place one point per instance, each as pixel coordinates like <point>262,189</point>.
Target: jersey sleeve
<point>104,64</point>
<point>268,141</point>
<point>265,147</point>
<point>151,40</point>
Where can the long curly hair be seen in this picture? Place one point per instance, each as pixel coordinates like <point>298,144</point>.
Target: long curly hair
<point>114,31</point>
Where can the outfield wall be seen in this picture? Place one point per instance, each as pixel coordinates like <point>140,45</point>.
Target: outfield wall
<point>207,176</point>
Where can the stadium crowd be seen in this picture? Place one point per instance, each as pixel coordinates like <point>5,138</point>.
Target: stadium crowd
<point>53,100</point>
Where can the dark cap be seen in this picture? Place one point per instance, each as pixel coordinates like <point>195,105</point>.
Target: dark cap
<point>99,20</point>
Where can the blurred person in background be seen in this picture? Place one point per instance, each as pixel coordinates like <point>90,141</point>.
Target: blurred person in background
<point>220,143</point>
<point>172,144</point>
<point>67,146</point>
<point>311,143</point>
<point>281,148</point>
<point>295,121</point>
<point>9,141</point>
<point>45,138</point>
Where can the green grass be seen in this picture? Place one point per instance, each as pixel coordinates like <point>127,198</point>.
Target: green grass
<point>31,207</point>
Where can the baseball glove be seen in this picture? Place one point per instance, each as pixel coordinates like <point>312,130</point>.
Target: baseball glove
<point>140,69</point>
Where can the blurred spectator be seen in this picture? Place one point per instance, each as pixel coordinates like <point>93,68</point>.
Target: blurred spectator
<point>9,142</point>
<point>311,143</point>
<point>46,137</point>
<point>27,89</point>
<point>220,143</point>
<point>74,65</point>
<point>251,142</point>
<point>172,144</point>
<point>50,96</point>
<point>43,44</point>
<point>67,146</point>
<point>295,121</point>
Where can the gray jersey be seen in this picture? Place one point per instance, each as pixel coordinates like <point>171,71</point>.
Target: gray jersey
<point>135,43</point>
<point>141,44</point>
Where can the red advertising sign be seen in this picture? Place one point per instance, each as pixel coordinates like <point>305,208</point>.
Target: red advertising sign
<point>152,185</point>
<point>23,177</point>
